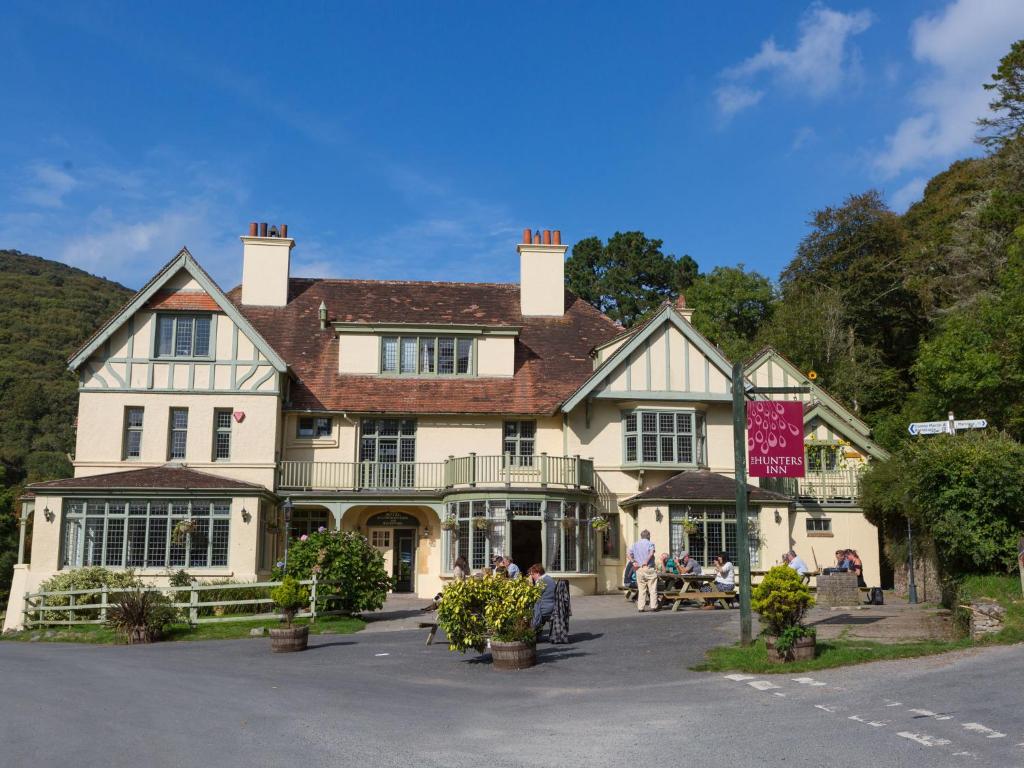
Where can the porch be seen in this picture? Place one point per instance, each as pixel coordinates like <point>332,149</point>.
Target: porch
<point>470,471</point>
<point>837,487</point>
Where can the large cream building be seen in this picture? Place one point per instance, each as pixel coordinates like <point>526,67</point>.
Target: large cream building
<point>436,418</point>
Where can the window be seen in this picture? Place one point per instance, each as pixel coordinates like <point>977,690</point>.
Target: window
<point>183,335</point>
<point>178,433</point>
<point>704,531</point>
<point>221,434</point>
<point>518,442</point>
<point>141,533</point>
<point>314,427</point>
<point>387,450</point>
<point>819,525</point>
<point>380,538</point>
<point>663,437</point>
<point>610,537</point>
<point>823,458</point>
<point>306,521</point>
<point>133,432</point>
<point>418,355</point>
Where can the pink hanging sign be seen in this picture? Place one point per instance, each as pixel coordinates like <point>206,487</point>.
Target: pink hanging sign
<point>775,438</point>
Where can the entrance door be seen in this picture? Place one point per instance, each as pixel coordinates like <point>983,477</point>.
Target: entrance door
<point>405,559</point>
<point>525,544</point>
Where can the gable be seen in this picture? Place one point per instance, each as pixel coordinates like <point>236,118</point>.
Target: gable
<point>770,369</point>
<point>821,424</point>
<point>122,355</point>
<point>667,359</point>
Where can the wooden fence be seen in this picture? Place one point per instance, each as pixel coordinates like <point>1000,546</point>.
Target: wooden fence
<point>41,609</point>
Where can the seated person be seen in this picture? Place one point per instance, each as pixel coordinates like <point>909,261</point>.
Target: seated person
<point>545,606</point>
<point>667,563</point>
<point>857,566</point>
<point>793,561</point>
<point>842,563</point>
<point>629,576</point>
<point>724,573</point>
<point>690,567</point>
<point>512,568</point>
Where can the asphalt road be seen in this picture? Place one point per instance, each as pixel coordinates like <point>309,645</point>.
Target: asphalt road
<point>619,695</point>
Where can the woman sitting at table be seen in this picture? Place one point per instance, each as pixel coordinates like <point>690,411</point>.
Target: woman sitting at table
<point>690,567</point>
<point>724,576</point>
<point>667,564</point>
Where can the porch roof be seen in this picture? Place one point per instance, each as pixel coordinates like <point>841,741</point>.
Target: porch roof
<point>169,477</point>
<point>703,485</point>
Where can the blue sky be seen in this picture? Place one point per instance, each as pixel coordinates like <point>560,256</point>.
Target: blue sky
<point>415,140</point>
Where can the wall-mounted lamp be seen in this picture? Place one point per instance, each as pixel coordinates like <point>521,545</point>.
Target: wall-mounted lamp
<point>49,514</point>
<point>425,533</point>
<point>246,515</point>
<point>778,517</point>
<point>657,514</point>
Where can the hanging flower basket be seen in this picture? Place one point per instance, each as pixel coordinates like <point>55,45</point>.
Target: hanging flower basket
<point>568,523</point>
<point>450,523</point>
<point>600,523</point>
<point>183,529</point>
<point>691,527</point>
<point>481,523</point>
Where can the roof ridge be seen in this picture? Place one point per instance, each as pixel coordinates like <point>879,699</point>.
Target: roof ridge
<point>353,280</point>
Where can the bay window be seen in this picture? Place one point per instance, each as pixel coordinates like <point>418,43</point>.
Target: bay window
<point>673,437</point>
<point>423,355</point>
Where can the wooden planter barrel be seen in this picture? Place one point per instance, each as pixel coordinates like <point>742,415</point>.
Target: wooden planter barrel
<point>802,650</point>
<point>516,655</point>
<point>288,639</point>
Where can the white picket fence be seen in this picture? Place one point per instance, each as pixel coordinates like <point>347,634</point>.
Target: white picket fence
<point>40,611</point>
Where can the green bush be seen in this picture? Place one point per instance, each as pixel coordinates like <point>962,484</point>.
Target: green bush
<point>473,610</point>
<point>140,616</point>
<point>92,577</point>
<point>290,597</point>
<point>343,557</point>
<point>242,593</point>
<point>781,600</point>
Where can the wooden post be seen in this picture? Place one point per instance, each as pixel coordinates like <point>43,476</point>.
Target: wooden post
<point>739,431</point>
<point>71,604</point>
<point>193,605</point>
<point>312,601</point>
<point>472,470</point>
<point>543,470</point>
<point>103,603</point>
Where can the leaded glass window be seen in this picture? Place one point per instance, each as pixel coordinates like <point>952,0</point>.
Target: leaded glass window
<point>518,442</point>
<point>425,355</point>
<point>133,431</point>
<point>706,530</point>
<point>221,435</point>
<point>177,433</point>
<point>181,335</point>
<point>663,437</point>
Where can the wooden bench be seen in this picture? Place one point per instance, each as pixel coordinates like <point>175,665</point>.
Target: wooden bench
<point>631,592</point>
<point>724,599</point>
<point>432,625</point>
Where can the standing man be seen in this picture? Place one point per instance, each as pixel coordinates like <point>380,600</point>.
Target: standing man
<point>641,555</point>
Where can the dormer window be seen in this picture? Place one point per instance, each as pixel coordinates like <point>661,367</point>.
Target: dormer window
<point>183,335</point>
<point>658,437</point>
<point>427,355</point>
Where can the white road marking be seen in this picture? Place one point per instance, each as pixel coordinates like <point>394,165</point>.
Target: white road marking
<point>382,654</point>
<point>808,681</point>
<point>924,739</point>
<point>964,754</point>
<point>776,693</point>
<point>872,723</point>
<point>762,685</point>
<point>987,732</point>
<point>891,703</point>
<point>739,678</point>
<point>929,713</point>
<point>824,707</point>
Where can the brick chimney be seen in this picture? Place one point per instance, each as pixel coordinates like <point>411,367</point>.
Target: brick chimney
<point>266,260</point>
<point>542,274</point>
<point>682,309</point>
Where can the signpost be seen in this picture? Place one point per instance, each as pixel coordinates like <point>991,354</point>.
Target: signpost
<point>950,426</point>
<point>739,435</point>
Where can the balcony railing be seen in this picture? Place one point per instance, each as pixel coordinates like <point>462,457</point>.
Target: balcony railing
<point>841,486</point>
<point>469,471</point>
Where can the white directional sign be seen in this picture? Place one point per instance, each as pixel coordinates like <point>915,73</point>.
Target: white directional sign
<point>943,427</point>
<point>970,423</point>
<point>928,427</point>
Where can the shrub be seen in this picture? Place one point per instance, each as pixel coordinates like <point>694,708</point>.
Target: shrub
<point>290,597</point>
<point>473,610</point>
<point>344,557</point>
<point>93,577</point>
<point>140,616</point>
<point>781,600</point>
<point>243,593</point>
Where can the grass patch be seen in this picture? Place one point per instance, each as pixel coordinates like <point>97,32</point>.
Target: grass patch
<point>830,653</point>
<point>227,630</point>
<point>847,651</point>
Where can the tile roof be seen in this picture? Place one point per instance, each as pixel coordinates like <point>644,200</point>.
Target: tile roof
<point>179,299</point>
<point>552,355</point>
<point>702,485</point>
<point>166,477</point>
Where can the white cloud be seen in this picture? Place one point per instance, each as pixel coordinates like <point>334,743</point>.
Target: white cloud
<point>48,186</point>
<point>908,194</point>
<point>803,137</point>
<point>962,45</point>
<point>821,62</point>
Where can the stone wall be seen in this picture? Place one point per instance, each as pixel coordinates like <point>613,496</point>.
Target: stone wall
<point>838,589</point>
<point>987,618</point>
<point>926,579</point>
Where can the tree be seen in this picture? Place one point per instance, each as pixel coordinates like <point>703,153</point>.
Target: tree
<point>628,276</point>
<point>1007,121</point>
<point>730,305</point>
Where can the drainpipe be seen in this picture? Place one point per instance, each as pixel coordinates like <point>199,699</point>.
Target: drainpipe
<point>22,525</point>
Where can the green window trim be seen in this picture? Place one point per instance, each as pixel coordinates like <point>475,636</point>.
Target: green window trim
<point>177,433</point>
<point>715,531</point>
<point>131,443</point>
<point>519,439</point>
<point>184,336</point>
<point>422,355</point>
<point>314,427</point>
<point>222,437</point>
<point>664,437</point>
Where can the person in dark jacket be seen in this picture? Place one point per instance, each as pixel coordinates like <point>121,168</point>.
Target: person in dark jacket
<point>545,606</point>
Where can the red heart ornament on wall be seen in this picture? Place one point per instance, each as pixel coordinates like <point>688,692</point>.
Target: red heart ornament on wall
<point>239,416</point>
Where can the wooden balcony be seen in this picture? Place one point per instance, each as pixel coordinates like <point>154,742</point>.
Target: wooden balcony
<point>839,487</point>
<point>472,471</point>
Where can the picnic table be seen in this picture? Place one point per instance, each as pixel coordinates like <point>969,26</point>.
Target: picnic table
<point>684,587</point>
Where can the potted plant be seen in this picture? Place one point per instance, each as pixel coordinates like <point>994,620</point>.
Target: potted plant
<point>481,523</point>
<point>568,523</point>
<point>494,610</point>
<point>182,529</point>
<point>600,523</point>
<point>450,523</point>
<point>690,526</point>
<point>781,600</point>
<point>290,597</point>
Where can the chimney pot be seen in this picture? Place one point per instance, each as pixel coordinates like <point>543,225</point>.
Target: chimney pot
<point>284,230</point>
<point>547,237</point>
<point>253,229</point>
<point>263,229</point>
<point>526,235</point>
<point>536,237</point>
<point>557,237</point>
